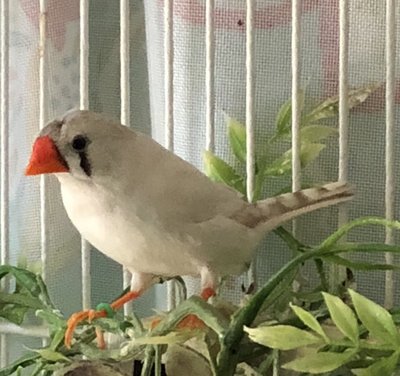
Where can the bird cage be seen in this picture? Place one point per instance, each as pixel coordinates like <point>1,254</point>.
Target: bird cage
<point>179,71</point>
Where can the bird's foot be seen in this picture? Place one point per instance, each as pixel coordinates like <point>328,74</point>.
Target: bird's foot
<point>207,293</point>
<point>103,310</point>
<point>75,320</point>
<point>79,317</point>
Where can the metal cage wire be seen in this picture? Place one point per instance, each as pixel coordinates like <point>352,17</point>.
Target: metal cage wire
<point>343,162</point>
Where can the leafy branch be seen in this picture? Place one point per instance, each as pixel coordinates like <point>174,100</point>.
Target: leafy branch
<point>373,353</point>
<point>268,165</point>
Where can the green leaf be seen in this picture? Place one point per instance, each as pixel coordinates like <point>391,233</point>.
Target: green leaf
<point>57,339</point>
<point>360,95</point>
<point>283,164</point>
<point>310,152</point>
<point>376,319</point>
<point>315,133</point>
<point>357,265</point>
<point>280,166</point>
<point>342,316</point>
<point>52,317</point>
<point>14,314</point>
<point>309,320</point>
<point>20,299</point>
<point>319,362</point>
<point>330,107</point>
<point>38,369</point>
<point>218,170</point>
<point>259,182</point>
<point>283,119</point>
<point>24,361</point>
<point>237,138</point>
<point>384,366</point>
<point>52,356</point>
<point>44,295</point>
<point>126,350</point>
<point>23,277</point>
<point>282,337</point>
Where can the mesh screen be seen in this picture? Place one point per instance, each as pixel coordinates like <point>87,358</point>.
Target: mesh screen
<point>273,81</point>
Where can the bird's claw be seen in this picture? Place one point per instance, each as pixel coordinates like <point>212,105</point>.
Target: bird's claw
<point>207,293</point>
<point>74,320</point>
<point>78,317</point>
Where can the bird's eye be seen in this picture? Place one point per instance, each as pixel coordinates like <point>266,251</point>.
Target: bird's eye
<point>79,143</point>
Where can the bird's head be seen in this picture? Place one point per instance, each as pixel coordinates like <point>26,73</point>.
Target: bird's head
<point>80,143</point>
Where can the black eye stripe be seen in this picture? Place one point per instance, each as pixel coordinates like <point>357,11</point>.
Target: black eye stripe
<point>85,163</point>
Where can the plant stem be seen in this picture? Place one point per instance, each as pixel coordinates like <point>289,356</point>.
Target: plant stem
<point>228,356</point>
<point>148,361</point>
<point>157,362</point>
<point>322,276</point>
<point>266,364</point>
<point>337,235</point>
<point>294,244</point>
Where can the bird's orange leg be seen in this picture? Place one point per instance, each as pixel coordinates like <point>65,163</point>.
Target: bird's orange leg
<point>91,314</point>
<point>207,293</point>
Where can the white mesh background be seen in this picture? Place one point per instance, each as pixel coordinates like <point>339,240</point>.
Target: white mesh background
<point>319,73</point>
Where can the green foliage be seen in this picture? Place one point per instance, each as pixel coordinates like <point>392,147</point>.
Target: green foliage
<point>282,337</point>
<point>343,317</point>
<point>313,136</point>
<point>366,337</point>
<point>323,353</point>
<point>310,321</point>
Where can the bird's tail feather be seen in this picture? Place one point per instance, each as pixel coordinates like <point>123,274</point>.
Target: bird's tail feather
<point>282,208</point>
<point>276,210</point>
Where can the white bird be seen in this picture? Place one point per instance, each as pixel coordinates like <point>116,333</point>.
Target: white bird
<point>153,212</point>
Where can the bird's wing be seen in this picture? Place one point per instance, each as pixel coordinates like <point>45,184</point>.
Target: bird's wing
<point>175,188</point>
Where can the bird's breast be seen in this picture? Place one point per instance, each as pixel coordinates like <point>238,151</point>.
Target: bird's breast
<point>129,234</point>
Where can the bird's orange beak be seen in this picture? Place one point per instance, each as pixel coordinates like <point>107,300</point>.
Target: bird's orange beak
<point>45,158</point>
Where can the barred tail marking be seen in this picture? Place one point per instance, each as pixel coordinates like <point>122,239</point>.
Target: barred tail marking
<point>274,211</point>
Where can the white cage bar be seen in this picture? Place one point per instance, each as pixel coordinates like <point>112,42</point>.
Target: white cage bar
<point>169,104</point>
<point>343,93</point>
<point>125,100</point>
<point>250,92</point>
<point>84,105</point>
<point>4,175</point>
<point>390,141</point>
<point>43,101</point>
<point>250,123</point>
<point>296,101</point>
<point>210,75</point>
<point>337,273</point>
